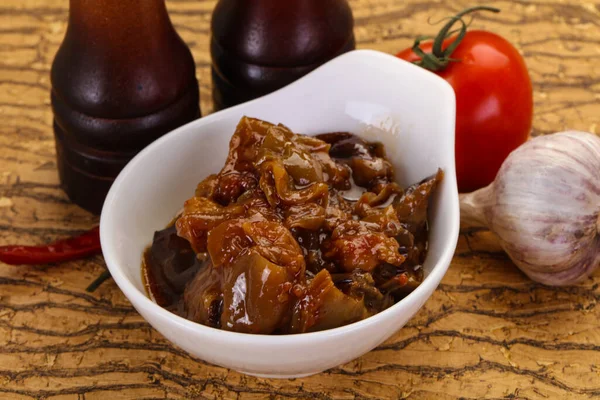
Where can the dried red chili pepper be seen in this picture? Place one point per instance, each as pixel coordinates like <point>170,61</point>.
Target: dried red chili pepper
<point>81,246</point>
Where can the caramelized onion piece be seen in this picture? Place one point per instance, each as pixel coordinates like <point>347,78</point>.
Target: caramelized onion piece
<point>279,145</point>
<point>358,245</point>
<point>337,211</point>
<point>201,215</point>
<point>310,216</point>
<point>335,174</point>
<point>367,172</point>
<point>245,144</point>
<point>256,206</point>
<point>279,189</point>
<point>301,166</point>
<point>237,175</point>
<point>312,144</point>
<point>370,199</point>
<point>274,242</point>
<point>227,241</point>
<point>324,307</point>
<point>386,219</point>
<point>368,207</point>
<point>231,185</point>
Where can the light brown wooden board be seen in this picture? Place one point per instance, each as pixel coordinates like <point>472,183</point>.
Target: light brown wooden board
<point>487,332</point>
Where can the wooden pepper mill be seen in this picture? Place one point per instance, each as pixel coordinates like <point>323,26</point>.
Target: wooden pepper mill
<point>260,46</point>
<point>121,78</point>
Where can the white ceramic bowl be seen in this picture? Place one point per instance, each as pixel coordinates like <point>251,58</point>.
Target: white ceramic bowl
<point>375,95</point>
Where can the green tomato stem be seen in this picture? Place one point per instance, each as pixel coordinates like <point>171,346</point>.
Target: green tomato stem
<point>439,58</point>
<point>98,281</point>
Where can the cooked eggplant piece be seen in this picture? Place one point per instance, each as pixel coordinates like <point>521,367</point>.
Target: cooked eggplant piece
<point>255,295</point>
<point>169,264</point>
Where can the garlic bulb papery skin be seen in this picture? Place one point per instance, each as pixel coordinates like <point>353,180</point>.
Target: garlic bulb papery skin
<point>544,205</point>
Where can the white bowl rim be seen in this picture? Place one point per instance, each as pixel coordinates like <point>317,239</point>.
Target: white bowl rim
<point>142,300</point>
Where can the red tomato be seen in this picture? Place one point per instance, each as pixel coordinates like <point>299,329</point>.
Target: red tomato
<point>494,104</point>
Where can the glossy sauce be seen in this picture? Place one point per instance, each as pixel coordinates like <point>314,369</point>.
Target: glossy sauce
<point>331,241</point>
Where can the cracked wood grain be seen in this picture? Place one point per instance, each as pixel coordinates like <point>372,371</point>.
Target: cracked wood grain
<point>487,332</point>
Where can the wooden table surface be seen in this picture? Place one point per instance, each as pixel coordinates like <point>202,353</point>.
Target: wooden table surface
<point>487,332</point>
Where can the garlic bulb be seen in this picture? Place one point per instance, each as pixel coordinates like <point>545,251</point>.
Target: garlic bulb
<point>545,207</point>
